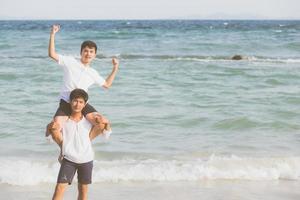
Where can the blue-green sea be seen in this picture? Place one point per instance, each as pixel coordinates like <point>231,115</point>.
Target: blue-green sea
<point>181,109</point>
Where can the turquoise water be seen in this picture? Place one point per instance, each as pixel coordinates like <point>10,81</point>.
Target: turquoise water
<point>181,109</point>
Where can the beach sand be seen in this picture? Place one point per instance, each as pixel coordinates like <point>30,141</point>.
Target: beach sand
<point>208,190</point>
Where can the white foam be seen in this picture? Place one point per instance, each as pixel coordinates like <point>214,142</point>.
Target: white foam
<point>27,172</point>
<point>31,172</point>
<point>213,58</point>
<point>274,60</point>
<point>214,168</point>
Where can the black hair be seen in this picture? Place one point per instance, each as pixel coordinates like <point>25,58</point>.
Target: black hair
<point>79,93</point>
<point>90,44</point>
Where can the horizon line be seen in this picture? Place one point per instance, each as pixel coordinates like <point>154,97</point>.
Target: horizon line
<point>151,19</point>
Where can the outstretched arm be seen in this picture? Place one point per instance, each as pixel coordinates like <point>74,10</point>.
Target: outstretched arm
<point>109,80</point>
<point>51,50</point>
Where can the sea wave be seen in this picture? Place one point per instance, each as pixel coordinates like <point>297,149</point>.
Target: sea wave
<point>32,172</point>
<point>194,58</point>
<point>204,58</point>
<point>199,58</point>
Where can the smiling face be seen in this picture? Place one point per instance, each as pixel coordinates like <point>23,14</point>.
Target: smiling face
<point>77,104</point>
<point>87,55</point>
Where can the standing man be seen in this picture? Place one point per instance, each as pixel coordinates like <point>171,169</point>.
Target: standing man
<point>75,142</point>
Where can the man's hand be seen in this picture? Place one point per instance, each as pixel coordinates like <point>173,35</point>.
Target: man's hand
<point>109,80</point>
<point>51,49</point>
<point>115,62</point>
<point>99,119</point>
<point>53,127</point>
<point>98,128</point>
<point>55,28</point>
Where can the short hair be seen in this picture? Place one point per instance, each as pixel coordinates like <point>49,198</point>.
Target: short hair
<point>79,93</point>
<point>90,44</point>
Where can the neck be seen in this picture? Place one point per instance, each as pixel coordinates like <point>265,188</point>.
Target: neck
<point>76,116</point>
<point>86,64</point>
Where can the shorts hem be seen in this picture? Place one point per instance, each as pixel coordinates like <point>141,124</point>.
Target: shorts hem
<point>84,182</point>
<point>69,183</point>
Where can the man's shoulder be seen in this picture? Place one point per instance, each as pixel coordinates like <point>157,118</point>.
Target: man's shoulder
<point>67,59</point>
<point>86,123</point>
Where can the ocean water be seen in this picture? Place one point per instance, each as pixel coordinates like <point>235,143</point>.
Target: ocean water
<point>181,109</point>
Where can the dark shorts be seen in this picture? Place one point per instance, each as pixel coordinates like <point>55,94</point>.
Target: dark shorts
<point>68,170</point>
<point>64,109</point>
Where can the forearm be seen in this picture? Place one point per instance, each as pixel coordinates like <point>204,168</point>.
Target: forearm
<point>51,49</point>
<point>109,80</point>
<point>96,130</point>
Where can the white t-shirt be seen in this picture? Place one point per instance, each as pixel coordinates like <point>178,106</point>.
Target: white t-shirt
<point>77,146</point>
<point>76,75</point>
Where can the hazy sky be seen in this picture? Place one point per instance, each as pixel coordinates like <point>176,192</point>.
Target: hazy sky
<point>150,9</point>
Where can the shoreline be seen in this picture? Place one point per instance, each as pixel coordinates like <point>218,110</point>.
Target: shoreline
<point>209,190</point>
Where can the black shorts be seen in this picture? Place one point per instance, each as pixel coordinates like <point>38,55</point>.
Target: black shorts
<point>64,109</point>
<point>68,170</point>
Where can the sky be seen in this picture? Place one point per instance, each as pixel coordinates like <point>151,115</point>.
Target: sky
<point>149,9</point>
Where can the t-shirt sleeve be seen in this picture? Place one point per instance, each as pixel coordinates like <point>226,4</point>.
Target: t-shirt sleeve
<point>98,79</point>
<point>65,61</point>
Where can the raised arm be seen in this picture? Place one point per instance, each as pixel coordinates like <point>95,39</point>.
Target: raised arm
<point>109,80</point>
<point>51,50</point>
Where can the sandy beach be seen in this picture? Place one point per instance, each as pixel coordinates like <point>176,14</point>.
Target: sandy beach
<point>208,190</point>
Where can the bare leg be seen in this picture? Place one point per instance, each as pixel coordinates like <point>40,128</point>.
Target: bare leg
<point>92,118</point>
<point>107,126</point>
<point>82,191</point>
<point>97,130</point>
<point>58,119</point>
<point>54,128</point>
<point>59,191</point>
<point>95,118</point>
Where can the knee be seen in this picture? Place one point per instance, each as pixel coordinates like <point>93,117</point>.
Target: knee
<point>59,191</point>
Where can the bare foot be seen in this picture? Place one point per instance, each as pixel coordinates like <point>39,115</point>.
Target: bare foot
<point>100,119</point>
<point>107,131</point>
<point>107,127</point>
<point>47,132</point>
